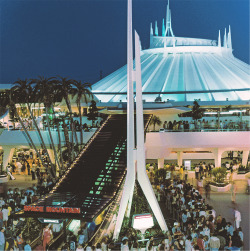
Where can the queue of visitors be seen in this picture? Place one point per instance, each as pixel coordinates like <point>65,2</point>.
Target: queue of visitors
<point>11,235</point>
<point>193,224</point>
<point>205,125</point>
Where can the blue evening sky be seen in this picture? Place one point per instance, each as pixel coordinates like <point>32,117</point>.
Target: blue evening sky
<point>78,38</point>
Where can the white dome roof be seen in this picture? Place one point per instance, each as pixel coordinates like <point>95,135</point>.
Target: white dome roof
<point>191,72</point>
<point>183,69</point>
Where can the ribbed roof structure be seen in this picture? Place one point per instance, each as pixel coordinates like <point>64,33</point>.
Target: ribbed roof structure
<point>183,69</point>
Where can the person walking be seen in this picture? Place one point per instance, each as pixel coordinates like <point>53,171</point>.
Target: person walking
<point>233,192</point>
<point>2,239</point>
<point>237,218</point>
<point>197,170</point>
<point>207,190</point>
<point>46,236</point>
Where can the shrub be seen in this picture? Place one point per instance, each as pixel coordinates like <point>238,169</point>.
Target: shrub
<point>219,174</point>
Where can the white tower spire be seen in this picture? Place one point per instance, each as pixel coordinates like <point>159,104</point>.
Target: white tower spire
<point>225,39</point>
<point>133,154</point>
<point>156,29</point>
<point>169,30</point>
<point>128,188</point>
<point>229,38</point>
<point>219,40</point>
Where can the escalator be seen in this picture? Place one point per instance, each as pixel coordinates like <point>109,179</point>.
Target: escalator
<point>92,182</point>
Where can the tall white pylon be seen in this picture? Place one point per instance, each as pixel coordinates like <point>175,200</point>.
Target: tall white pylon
<point>140,149</point>
<point>169,31</point>
<point>130,178</point>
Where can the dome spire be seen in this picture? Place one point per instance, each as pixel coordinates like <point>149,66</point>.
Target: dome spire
<point>163,28</point>
<point>151,29</point>
<point>225,39</point>
<point>229,38</point>
<point>169,31</point>
<point>156,28</point>
<point>219,40</point>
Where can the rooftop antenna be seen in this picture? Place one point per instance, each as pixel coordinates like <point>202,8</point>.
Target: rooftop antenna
<point>169,31</point>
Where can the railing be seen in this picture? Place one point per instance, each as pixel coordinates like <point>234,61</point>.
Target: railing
<point>204,130</point>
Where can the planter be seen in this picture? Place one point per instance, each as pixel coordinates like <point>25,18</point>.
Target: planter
<point>220,189</point>
<point>3,178</point>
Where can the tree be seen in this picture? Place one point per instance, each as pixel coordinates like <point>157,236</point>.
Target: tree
<point>64,88</point>
<point>45,88</point>
<point>197,112</point>
<point>155,121</point>
<point>92,115</point>
<point>15,99</point>
<point>82,90</point>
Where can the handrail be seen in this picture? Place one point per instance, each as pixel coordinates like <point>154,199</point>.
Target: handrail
<point>79,155</point>
<point>204,130</point>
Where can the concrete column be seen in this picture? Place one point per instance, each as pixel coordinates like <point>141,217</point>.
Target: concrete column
<point>8,152</point>
<point>245,158</point>
<point>179,158</point>
<point>217,157</point>
<point>160,163</point>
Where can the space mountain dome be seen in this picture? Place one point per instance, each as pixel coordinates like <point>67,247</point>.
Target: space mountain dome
<point>182,69</point>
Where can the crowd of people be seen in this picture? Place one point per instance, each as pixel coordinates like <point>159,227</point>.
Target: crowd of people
<point>193,224</point>
<point>42,124</point>
<point>200,125</point>
<point>27,163</point>
<point>11,233</point>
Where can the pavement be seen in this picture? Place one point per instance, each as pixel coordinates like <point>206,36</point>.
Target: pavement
<point>22,181</point>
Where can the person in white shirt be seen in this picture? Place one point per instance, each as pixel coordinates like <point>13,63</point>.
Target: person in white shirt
<point>19,167</point>
<point>5,212</point>
<point>237,218</point>
<point>124,246</point>
<point>188,244</point>
<point>79,248</point>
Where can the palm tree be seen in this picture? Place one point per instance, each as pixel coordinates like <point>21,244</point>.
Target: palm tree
<point>15,98</point>
<point>44,87</point>
<point>24,90</point>
<point>155,121</point>
<point>82,90</point>
<point>65,89</point>
<point>57,121</point>
<point>66,137</point>
<point>92,115</point>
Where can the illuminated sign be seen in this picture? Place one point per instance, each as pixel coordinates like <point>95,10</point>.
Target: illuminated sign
<point>142,221</point>
<point>48,209</point>
<point>187,164</point>
<point>33,208</point>
<point>53,221</point>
